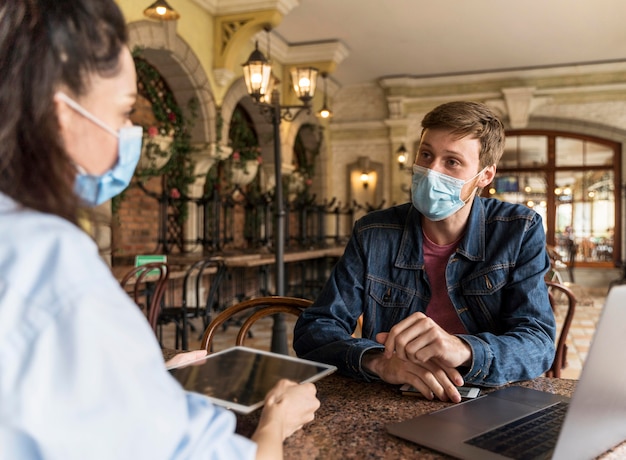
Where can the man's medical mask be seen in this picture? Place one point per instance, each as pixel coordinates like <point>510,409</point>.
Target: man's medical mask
<point>95,190</point>
<point>437,195</point>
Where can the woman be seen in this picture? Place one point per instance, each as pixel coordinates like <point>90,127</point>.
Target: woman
<point>81,375</point>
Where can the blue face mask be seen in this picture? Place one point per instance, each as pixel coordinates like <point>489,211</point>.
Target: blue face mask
<point>437,195</point>
<point>95,190</point>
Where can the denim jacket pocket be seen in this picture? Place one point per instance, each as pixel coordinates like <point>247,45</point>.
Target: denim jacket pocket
<point>482,294</point>
<point>390,295</point>
<point>387,304</point>
<point>485,282</point>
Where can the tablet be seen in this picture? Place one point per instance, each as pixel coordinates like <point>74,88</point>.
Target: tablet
<point>239,378</point>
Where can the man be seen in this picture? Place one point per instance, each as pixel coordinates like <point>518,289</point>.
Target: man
<point>450,287</point>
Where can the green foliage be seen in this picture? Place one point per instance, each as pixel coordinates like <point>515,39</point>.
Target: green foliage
<point>243,139</point>
<point>170,124</point>
<point>244,142</point>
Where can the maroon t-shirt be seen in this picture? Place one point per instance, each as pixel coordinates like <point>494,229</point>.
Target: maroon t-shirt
<point>440,307</point>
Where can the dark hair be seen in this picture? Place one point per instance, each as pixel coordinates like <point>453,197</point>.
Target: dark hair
<point>45,44</point>
<point>471,118</point>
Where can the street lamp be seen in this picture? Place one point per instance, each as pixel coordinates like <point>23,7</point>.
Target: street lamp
<point>257,74</point>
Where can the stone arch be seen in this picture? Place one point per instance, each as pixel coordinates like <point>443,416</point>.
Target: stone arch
<point>292,128</point>
<point>308,118</point>
<point>303,118</point>
<point>238,94</point>
<point>580,127</point>
<point>180,67</point>
<point>585,127</point>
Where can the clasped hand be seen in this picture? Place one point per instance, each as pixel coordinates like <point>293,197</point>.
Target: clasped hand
<point>419,352</point>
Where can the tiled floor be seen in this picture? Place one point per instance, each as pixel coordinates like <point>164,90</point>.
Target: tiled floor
<point>590,303</point>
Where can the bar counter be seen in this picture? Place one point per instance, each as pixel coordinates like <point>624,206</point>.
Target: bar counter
<point>350,422</point>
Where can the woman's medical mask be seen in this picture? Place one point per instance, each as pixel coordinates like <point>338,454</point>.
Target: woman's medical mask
<point>437,195</point>
<point>95,190</point>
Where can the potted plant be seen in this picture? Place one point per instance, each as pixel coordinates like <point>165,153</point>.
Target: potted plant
<point>245,158</point>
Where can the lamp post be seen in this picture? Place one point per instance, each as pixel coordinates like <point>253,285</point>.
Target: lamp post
<point>257,74</point>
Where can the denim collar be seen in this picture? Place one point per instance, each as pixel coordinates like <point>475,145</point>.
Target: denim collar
<point>472,246</point>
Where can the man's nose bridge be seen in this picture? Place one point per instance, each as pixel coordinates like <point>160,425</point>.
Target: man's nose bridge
<point>438,166</point>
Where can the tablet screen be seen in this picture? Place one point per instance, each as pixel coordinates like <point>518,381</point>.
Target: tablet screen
<point>239,378</point>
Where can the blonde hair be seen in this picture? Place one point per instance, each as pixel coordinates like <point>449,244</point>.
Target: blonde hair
<point>470,119</point>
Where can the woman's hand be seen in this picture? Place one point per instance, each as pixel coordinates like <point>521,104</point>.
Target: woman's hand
<point>288,406</point>
<point>185,358</point>
<point>291,404</point>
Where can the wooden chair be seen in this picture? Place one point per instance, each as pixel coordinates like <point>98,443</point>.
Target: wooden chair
<point>146,284</point>
<point>197,302</point>
<point>555,292</point>
<point>258,308</point>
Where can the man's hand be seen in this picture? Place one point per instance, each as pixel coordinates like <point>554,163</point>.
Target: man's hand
<point>420,340</point>
<point>419,352</point>
<point>431,379</point>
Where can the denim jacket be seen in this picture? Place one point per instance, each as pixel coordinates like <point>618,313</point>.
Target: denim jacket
<point>495,281</point>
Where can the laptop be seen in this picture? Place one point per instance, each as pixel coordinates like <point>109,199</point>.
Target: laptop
<point>238,378</point>
<point>593,421</point>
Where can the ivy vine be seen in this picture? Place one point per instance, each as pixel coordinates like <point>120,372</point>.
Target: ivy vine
<point>306,149</point>
<point>172,125</point>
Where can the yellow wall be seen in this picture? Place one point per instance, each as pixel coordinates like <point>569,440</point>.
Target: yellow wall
<point>195,27</point>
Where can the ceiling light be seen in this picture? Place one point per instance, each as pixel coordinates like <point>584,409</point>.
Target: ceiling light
<point>161,10</point>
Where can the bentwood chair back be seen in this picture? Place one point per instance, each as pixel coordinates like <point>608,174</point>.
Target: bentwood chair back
<point>146,284</point>
<point>556,292</point>
<point>199,299</point>
<point>253,310</point>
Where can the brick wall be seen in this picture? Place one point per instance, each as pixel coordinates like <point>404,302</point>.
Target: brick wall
<point>135,225</point>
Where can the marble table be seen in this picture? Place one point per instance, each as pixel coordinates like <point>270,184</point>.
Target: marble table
<point>351,421</point>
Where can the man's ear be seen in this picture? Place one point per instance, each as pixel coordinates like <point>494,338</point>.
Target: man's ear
<point>487,176</point>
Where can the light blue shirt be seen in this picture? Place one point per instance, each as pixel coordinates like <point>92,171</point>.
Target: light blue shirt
<point>81,373</point>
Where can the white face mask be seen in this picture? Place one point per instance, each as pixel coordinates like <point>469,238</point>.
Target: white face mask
<point>437,195</point>
<point>95,190</point>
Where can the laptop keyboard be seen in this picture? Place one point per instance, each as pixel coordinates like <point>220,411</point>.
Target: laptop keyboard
<point>531,437</point>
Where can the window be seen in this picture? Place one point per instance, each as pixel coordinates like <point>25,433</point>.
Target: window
<point>572,182</point>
